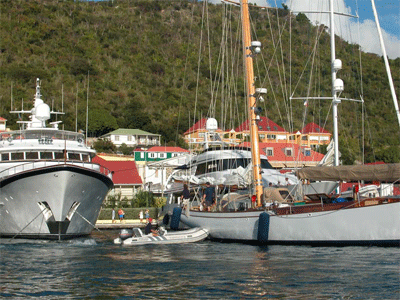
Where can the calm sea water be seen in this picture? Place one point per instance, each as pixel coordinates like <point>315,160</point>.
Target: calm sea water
<point>95,268</point>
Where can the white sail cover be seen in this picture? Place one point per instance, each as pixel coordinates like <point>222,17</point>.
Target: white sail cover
<point>328,159</point>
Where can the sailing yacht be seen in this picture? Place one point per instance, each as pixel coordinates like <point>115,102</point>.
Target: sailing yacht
<point>274,220</point>
<point>49,187</point>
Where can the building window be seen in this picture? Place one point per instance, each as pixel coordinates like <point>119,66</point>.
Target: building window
<point>271,136</point>
<point>129,138</point>
<point>174,154</point>
<point>304,138</point>
<point>152,155</point>
<point>141,154</point>
<point>269,151</point>
<point>307,152</point>
<point>292,137</point>
<point>262,136</point>
<point>288,151</point>
<point>162,155</point>
<point>116,138</point>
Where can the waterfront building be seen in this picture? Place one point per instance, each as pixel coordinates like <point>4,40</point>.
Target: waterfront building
<point>125,174</point>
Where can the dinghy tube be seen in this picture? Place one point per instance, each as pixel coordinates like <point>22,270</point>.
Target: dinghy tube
<point>176,218</point>
<point>263,227</point>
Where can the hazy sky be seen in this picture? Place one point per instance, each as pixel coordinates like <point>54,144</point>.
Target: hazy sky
<point>361,31</point>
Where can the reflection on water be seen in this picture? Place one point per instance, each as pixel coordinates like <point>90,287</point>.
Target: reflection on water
<point>96,268</point>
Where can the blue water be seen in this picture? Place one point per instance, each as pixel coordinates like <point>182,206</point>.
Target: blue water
<point>95,268</point>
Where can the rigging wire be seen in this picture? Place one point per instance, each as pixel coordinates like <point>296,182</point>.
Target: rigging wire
<point>184,77</point>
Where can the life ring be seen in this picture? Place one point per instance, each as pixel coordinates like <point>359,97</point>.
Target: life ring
<point>80,140</point>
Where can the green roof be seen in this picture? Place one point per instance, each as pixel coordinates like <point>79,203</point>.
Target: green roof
<point>124,131</point>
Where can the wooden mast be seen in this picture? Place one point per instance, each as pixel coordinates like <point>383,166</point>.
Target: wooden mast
<point>251,99</point>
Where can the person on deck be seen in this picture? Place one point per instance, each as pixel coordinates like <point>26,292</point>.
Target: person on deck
<point>208,197</point>
<point>185,192</point>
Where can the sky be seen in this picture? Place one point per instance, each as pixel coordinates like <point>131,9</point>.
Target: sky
<point>362,31</point>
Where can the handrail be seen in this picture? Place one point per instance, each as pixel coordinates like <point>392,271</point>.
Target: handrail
<point>45,163</point>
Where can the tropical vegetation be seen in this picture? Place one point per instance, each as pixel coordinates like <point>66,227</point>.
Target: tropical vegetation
<point>135,64</point>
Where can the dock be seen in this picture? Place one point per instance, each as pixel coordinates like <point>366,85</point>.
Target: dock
<point>129,223</point>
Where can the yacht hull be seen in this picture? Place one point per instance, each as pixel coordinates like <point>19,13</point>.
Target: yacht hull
<point>371,225</point>
<point>55,202</point>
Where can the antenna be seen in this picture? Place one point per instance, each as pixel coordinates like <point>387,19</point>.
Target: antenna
<point>62,97</point>
<point>76,109</point>
<point>87,109</point>
<point>11,108</point>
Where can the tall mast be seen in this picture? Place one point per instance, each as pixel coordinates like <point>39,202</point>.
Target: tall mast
<point>335,99</point>
<point>251,98</point>
<point>389,74</point>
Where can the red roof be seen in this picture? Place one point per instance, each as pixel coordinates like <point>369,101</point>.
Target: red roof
<point>2,119</point>
<point>125,171</point>
<point>279,152</point>
<point>167,149</point>
<point>264,124</point>
<point>313,128</point>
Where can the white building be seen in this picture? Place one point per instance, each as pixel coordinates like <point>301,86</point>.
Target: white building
<point>132,138</point>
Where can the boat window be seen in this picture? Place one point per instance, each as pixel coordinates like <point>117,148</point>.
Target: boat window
<point>32,155</point>
<point>265,164</point>
<point>85,157</point>
<point>201,169</point>
<point>17,156</point>
<point>74,156</point>
<point>233,163</point>
<point>46,155</point>
<point>58,155</point>
<point>5,156</point>
<point>212,166</point>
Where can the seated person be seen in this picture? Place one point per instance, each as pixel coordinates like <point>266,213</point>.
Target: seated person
<point>148,229</point>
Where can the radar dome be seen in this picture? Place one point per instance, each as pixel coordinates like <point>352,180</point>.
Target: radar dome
<point>211,124</point>
<point>42,112</point>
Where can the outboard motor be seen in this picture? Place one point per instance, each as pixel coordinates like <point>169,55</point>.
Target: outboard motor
<point>125,234</point>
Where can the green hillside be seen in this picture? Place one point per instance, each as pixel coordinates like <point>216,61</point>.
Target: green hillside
<point>139,60</point>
